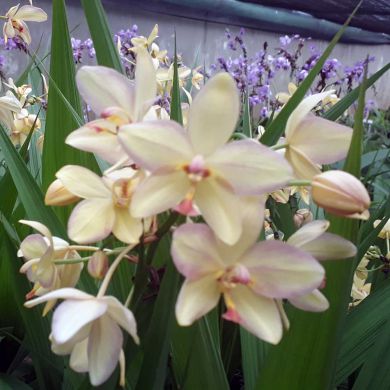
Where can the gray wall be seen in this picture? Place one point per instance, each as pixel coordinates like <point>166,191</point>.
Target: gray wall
<point>204,38</point>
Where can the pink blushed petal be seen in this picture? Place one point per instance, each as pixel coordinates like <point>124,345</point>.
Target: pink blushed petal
<point>322,141</point>
<point>218,204</point>
<point>251,168</point>
<point>33,246</point>
<point>31,14</point>
<point>330,247</point>
<point>82,182</point>
<point>303,108</point>
<point>159,192</point>
<point>103,87</point>
<point>72,315</point>
<point>79,357</point>
<point>41,228</point>
<point>98,137</point>
<point>194,251</point>
<point>279,270</point>
<point>104,346</point>
<point>145,84</point>
<point>24,32</point>
<point>308,232</point>
<point>91,220</point>
<point>122,316</point>
<point>314,301</point>
<point>252,210</point>
<point>156,144</point>
<point>213,114</point>
<point>127,228</point>
<point>303,167</point>
<point>196,298</point>
<point>257,314</point>
<point>63,293</point>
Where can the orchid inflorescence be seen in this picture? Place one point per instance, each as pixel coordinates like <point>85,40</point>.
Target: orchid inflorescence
<point>158,169</point>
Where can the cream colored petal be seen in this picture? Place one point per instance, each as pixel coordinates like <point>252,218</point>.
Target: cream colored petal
<point>104,346</point>
<point>330,247</point>
<point>79,358</point>
<point>315,301</point>
<point>98,137</point>
<point>33,246</point>
<point>82,182</point>
<point>63,293</point>
<point>91,220</point>
<point>127,228</point>
<point>159,192</point>
<point>308,232</point>
<point>122,316</point>
<point>103,87</point>
<point>31,14</point>
<point>72,315</point>
<point>213,114</point>
<point>218,204</point>
<point>257,314</point>
<point>282,97</point>
<point>291,88</point>
<point>196,298</point>
<point>252,210</point>
<point>251,168</point>
<point>24,32</point>
<point>279,270</point>
<point>303,108</point>
<point>8,30</point>
<point>145,84</point>
<point>301,164</point>
<point>322,141</point>
<point>156,144</point>
<point>41,228</point>
<point>194,251</point>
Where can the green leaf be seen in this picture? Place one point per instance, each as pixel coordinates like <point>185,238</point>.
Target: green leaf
<point>275,129</point>
<point>314,338</point>
<point>246,119</point>
<point>254,352</point>
<point>338,109</point>
<point>196,357</point>
<point>157,341</point>
<point>106,52</point>
<point>362,329</point>
<point>59,121</point>
<point>176,113</point>
<point>29,193</point>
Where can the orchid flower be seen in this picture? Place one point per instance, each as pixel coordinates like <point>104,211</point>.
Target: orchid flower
<point>106,204</point>
<point>40,251</point>
<point>312,140</point>
<point>16,18</point>
<point>250,276</point>
<point>118,101</point>
<point>142,41</point>
<point>197,167</point>
<point>284,97</point>
<point>312,238</point>
<point>88,328</point>
<point>9,105</point>
<point>165,78</point>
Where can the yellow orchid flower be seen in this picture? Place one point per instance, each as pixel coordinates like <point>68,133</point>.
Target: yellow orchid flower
<point>196,167</point>
<point>16,18</point>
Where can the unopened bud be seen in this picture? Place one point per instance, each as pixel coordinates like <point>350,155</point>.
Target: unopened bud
<point>98,265</point>
<point>340,193</point>
<point>58,195</point>
<point>302,217</point>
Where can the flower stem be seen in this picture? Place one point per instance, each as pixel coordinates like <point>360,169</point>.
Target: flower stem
<point>279,146</point>
<point>112,269</point>
<point>84,248</point>
<point>299,183</point>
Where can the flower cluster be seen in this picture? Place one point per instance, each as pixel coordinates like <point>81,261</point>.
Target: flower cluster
<point>196,169</point>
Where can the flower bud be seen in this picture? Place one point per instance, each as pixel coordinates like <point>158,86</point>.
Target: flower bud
<point>98,265</point>
<point>58,195</point>
<point>302,217</point>
<point>340,193</point>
